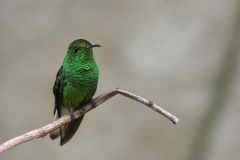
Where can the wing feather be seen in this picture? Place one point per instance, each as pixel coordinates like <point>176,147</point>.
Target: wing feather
<point>58,91</point>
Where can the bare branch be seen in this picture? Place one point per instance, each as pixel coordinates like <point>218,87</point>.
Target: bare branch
<point>41,132</point>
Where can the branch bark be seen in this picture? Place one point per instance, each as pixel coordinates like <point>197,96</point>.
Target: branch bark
<point>43,131</point>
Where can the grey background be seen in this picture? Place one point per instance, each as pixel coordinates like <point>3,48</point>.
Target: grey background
<point>183,55</point>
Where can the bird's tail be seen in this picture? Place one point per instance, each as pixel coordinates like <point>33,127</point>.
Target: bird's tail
<point>55,133</point>
<point>66,131</point>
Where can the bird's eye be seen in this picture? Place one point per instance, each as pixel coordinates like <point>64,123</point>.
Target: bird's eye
<point>75,50</point>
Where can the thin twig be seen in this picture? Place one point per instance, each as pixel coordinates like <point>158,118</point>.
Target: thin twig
<point>41,132</point>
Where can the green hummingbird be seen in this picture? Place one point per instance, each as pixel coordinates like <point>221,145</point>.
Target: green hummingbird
<point>75,85</point>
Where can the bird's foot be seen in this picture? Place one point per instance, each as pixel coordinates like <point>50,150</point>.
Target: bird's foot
<point>72,116</point>
<point>93,103</point>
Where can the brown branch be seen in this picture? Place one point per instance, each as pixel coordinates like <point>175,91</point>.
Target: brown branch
<point>43,131</point>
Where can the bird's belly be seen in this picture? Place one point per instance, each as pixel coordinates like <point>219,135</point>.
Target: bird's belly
<point>76,94</point>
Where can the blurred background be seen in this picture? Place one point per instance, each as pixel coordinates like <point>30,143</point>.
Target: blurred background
<point>183,55</point>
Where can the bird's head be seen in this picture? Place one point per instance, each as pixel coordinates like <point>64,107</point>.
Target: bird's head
<point>80,50</point>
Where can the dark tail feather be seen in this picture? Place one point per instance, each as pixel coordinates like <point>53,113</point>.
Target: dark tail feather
<point>66,132</point>
<point>55,134</point>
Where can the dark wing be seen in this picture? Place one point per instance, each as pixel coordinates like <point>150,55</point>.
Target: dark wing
<point>66,131</point>
<point>58,91</point>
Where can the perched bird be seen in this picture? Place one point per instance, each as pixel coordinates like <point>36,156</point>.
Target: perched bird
<point>75,85</point>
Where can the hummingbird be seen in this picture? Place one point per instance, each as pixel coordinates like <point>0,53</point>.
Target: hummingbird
<point>75,85</point>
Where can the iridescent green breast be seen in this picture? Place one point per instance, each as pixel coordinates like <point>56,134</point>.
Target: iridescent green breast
<point>80,83</point>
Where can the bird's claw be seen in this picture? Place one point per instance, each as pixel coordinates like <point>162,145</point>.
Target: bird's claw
<point>93,103</point>
<point>72,116</point>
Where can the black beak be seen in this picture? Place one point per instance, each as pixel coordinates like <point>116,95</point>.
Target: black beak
<point>94,45</point>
